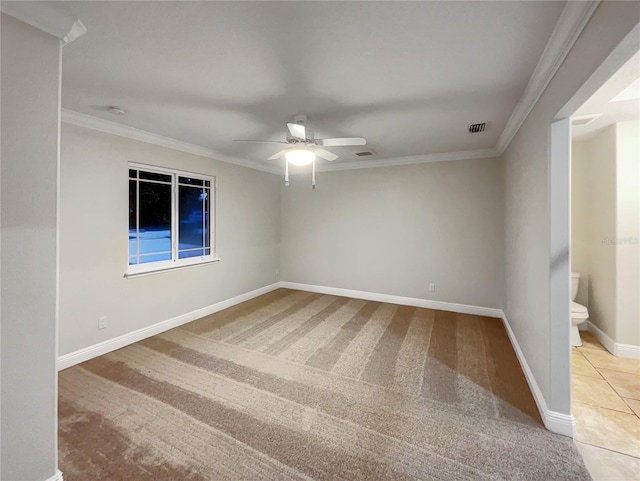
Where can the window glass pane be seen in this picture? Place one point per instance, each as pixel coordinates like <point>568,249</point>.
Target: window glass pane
<point>155,176</point>
<point>192,253</point>
<point>193,207</point>
<point>133,238</point>
<point>190,181</point>
<point>152,201</point>
<point>154,219</point>
<point>205,221</point>
<point>166,256</point>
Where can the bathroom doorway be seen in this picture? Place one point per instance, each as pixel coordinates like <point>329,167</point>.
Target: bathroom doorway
<point>605,212</point>
<point>605,274</point>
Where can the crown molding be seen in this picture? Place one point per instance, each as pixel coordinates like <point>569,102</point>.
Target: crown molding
<point>573,19</point>
<point>46,16</point>
<point>114,128</point>
<point>101,125</point>
<point>416,159</point>
<point>570,24</point>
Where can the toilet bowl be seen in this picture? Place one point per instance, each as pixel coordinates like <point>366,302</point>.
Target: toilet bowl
<point>579,313</point>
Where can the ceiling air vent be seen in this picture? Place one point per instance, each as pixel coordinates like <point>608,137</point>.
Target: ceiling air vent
<point>474,128</point>
<point>366,153</point>
<point>584,119</point>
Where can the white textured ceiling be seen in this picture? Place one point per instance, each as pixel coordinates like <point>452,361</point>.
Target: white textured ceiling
<point>408,76</point>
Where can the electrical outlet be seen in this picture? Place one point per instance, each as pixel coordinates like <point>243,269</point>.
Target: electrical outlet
<point>102,322</point>
<point>432,287</point>
<point>277,272</point>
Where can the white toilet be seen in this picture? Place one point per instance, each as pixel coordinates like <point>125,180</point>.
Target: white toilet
<point>579,313</point>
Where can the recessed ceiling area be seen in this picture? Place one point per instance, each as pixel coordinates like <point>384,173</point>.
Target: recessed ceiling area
<point>607,106</point>
<point>410,77</point>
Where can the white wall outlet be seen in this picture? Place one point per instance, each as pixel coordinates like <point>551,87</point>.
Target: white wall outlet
<point>432,287</point>
<point>102,322</point>
<point>277,272</point>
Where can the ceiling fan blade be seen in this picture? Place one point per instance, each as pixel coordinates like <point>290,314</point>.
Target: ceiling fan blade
<point>278,155</point>
<point>325,154</point>
<point>341,142</point>
<point>297,130</point>
<point>261,141</point>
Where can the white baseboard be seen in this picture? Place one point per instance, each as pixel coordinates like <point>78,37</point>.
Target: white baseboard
<point>605,340</point>
<point>99,349</point>
<point>56,477</point>
<point>406,301</point>
<point>627,350</point>
<point>554,421</point>
<point>615,348</point>
<point>104,347</point>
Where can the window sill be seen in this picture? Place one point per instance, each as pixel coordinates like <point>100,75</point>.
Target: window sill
<point>158,270</point>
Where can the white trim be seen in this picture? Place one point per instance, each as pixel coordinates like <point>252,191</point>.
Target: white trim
<point>559,423</point>
<point>104,347</point>
<point>627,350</point>
<point>101,125</point>
<point>605,340</point>
<point>201,261</point>
<point>573,19</point>
<point>175,262</point>
<point>405,301</point>
<point>559,266</point>
<point>57,286</point>
<point>47,17</point>
<point>416,159</point>
<point>56,477</point>
<point>554,421</point>
<point>614,61</point>
<point>615,348</point>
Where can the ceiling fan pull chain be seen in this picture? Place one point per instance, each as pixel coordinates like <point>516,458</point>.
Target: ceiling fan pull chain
<point>313,174</point>
<point>286,172</point>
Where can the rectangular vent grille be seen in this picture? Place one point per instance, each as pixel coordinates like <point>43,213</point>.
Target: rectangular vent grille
<point>364,154</point>
<point>473,128</point>
<point>584,120</point>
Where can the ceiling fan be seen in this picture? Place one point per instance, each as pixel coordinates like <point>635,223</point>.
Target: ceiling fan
<point>303,147</point>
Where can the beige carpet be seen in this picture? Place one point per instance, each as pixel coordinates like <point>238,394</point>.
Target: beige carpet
<point>295,385</point>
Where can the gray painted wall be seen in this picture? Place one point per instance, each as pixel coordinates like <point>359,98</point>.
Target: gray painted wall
<point>94,239</point>
<point>394,230</point>
<point>599,157</point>
<point>628,233</point>
<point>606,223</point>
<point>580,195</point>
<point>30,106</point>
<point>527,259</point>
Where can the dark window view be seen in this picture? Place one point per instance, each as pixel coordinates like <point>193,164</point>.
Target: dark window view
<point>194,221</point>
<point>151,217</point>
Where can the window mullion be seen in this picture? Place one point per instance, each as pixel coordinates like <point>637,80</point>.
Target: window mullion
<point>147,256</point>
<point>138,219</point>
<point>175,213</point>
<point>204,217</point>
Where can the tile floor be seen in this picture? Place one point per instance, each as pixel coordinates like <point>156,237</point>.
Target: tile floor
<point>606,404</point>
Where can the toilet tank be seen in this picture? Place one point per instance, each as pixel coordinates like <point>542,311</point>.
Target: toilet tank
<point>575,282</point>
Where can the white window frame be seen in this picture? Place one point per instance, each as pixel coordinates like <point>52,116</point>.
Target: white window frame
<point>175,263</point>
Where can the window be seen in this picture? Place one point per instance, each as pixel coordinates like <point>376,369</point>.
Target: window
<point>170,219</point>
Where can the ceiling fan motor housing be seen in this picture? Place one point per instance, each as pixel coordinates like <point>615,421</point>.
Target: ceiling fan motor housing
<point>308,134</point>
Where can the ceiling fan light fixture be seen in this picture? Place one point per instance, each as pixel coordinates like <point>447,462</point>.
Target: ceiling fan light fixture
<point>300,156</point>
